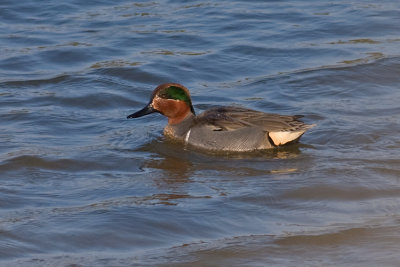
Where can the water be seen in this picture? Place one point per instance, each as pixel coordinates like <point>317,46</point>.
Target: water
<point>80,185</point>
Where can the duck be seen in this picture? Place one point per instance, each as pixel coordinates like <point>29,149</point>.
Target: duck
<point>224,128</point>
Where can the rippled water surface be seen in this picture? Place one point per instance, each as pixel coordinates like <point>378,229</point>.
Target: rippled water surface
<point>81,185</point>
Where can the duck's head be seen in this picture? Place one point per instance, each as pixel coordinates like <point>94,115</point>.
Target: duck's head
<point>170,99</point>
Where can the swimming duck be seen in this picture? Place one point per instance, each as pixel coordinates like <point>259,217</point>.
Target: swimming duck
<point>222,128</point>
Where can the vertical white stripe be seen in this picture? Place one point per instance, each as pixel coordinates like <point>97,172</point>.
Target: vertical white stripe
<point>187,136</point>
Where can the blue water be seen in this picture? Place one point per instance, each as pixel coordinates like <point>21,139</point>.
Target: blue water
<point>81,185</point>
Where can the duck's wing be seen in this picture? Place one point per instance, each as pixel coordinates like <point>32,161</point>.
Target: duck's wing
<point>281,129</point>
<point>222,119</point>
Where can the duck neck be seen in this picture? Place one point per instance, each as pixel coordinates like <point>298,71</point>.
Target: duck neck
<point>180,129</point>
<point>180,117</point>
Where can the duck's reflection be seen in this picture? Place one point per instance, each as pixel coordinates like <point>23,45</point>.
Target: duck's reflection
<point>179,165</point>
<point>175,170</point>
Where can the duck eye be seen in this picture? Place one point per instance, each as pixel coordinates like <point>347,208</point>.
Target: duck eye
<point>176,93</point>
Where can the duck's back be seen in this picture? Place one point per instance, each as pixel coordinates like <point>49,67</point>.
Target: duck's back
<point>241,129</point>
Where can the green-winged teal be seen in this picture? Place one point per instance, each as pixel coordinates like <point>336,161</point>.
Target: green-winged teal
<point>221,128</point>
